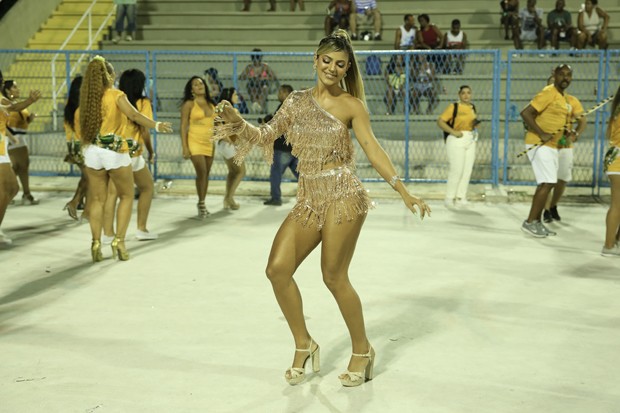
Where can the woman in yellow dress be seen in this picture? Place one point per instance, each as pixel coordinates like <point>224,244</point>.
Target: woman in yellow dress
<point>197,117</point>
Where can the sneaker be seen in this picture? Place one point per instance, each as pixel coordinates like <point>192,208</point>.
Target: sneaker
<point>116,39</point>
<point>535,229</point>
<point>354,37</point>
<point>449,203</point>
<point>611,252</point>
<point>145,235</point>
<point>547,216</point>
<point>461,203</point>
<point>554,213</point>
<point>128,38</point>
<point>29,200</point>
<point>275,202</point>
<point>106,240</point>
<point>547,230</point>
<point>4,239</point>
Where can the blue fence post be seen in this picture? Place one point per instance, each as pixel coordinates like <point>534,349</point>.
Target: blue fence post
<point>495,120</point>
<point>407,57</point>
<point>155,97</point>
<point>506,117</point>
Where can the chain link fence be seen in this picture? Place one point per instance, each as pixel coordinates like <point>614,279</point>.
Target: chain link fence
<point>405,91</point>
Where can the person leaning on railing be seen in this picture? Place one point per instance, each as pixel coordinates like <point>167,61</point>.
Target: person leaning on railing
<point>104,111</point>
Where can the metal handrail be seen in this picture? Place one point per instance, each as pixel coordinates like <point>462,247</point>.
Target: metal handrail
<point>71,70</point>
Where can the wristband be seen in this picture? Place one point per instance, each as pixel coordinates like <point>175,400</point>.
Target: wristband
<point>393,180</point>
<point>157,126</point>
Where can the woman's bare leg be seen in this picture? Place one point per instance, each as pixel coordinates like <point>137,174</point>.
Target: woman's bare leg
<point>613,214</point>
<point>21,165</point>
<point>291,246</point>
<point>144,182</point>
<point>233,179</point>
<point>97,194</point>
<point>339,242</point>
<point>109,210</point>
<point>123,180</point>
<point>202,166</point>
<point>8,187</point>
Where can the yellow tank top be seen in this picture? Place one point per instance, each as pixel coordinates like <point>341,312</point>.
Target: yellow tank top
<point>614,136</point>
<point>19,120</point>
<point>200,125</point>
<point>133,131</point>
<point>113,120</point>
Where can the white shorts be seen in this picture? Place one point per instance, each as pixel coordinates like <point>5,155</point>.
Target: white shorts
<point>544,163</point>
<point>21,140</point>
<point>227,150</point>
<point>529,36</point>
<point>99,158</point>
<point>137,163</point>
<point>565,164</point>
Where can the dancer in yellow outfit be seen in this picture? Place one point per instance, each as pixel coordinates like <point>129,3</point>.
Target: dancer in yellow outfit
<point>331,203</point>
<point>18,124</point>
<point>103,114</point>
<point>197,117</point>
<point>612,169</point>
<point>8,181</point>
<point>74,148</point>
<point>132,82</point>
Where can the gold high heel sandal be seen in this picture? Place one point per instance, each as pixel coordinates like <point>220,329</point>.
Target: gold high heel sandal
<point>118,249</point>
<point>230,204</point>
<point>295,375</point>
<point>355,378</point>
<point>71,210</point>
<point>95,251</point>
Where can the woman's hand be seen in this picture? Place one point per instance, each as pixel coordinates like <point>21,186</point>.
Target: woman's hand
<point>412,202</point>
<point>227,112</point>
<point>163,127</point>
<point>151,158</point>
<point>458,134</point>
<point>186,153</point>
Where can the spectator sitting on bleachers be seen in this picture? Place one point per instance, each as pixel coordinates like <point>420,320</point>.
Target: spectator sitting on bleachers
<point>396,79</point>
<point>529,26</point>
<point>339,17</point>
<point>510,13</point>
<point>259,76</point>
<point>455,39</point>
<point>365,11</point>
<point>560,26</point>
<point>428,38</point>
<point>247,3</point>
<point>405,34</point>
<point>301,5</point>
<point>592,32</point>
<point>424,85</point>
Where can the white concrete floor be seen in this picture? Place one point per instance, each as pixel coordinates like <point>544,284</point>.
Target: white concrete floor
<point>466,313</point>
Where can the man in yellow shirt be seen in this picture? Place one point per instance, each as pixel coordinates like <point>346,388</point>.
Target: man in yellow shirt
<point>548,113</point>
<point>565,158</point>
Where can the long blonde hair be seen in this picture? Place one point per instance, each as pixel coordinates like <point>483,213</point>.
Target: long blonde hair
<point>338,41</point>
<point>96,81</point>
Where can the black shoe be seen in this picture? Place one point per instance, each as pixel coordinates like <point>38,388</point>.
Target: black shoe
<point>554,213</point>
<point>377,37</point>
<point>354,37</point>
<point>275,202</point>
<point>547,216</point>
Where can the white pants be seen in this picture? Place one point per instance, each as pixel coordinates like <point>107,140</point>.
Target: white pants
<point>461,155</point>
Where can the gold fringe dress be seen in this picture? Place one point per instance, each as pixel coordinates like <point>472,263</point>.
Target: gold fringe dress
<point>317,139</point>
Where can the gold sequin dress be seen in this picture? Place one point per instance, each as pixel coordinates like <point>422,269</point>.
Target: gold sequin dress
<point>318,139</point>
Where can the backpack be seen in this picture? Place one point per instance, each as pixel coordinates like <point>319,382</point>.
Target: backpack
<point>451,121</point>
<point>373,65</point>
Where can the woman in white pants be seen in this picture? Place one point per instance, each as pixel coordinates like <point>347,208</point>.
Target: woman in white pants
<point>459,121</point>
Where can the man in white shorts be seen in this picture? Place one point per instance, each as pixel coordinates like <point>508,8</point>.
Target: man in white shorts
<point>530,26</point>
<point>545,117</point>
<point>565,158</point>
